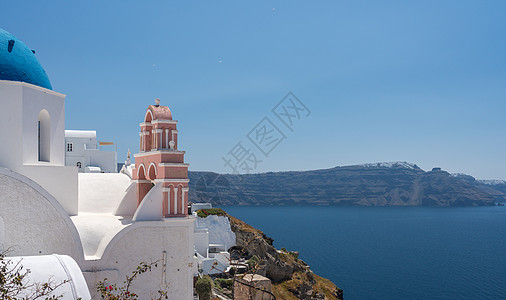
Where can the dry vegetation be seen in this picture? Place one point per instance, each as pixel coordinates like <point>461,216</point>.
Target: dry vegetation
<point>284,289</point>
<point>291,277</point>
<point>241,226</point>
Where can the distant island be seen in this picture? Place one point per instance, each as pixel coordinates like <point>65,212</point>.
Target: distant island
<point>376,184</point>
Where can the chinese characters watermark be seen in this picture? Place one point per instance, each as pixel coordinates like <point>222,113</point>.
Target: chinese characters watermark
<point>290,109</point>
<point>243,158</point>
<point>266,135</point>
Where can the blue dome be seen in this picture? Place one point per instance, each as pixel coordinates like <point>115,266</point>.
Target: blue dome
<point>18,62</point>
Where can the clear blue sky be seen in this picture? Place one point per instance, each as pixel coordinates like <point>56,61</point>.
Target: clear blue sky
<point>423,81</point>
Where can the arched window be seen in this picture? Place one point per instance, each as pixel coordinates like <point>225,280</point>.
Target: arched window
<point>148,117</point>
<point>148,137</point>
<point>141,173</point>
<point>78,164</point>
<point>152,173</point>
<point>44,136</point>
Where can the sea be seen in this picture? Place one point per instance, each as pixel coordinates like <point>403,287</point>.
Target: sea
<point>394,252</point>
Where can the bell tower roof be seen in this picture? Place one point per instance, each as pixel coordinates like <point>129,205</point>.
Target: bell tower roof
<point>157,112</point>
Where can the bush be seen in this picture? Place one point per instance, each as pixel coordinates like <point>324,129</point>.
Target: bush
<point>224,283</point>
<point>202,213</point>
<point>253,261</point>
<point>204,287</point>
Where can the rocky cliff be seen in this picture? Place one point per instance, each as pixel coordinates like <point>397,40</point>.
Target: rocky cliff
<point>292,278</point>
<point>380,184</point>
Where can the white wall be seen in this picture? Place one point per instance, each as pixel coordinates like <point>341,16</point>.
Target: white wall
<point>128,204</point>
<point>79,144</point>
<point>197,206</point>
<point>11,142</point>
<point>211,266</point>
<point>2,234</point>
<point>201,236</point>
<point>222,257</point>
<point>35,223</point>
<point>151,207</point>
<point>147,241</point>
<point>85,151</point>
<point>219,230</point>
<point>60,182</point>
<point>34,100</point>
<point>21,104</point>
<point>106,160</point>
<point>101,193</point>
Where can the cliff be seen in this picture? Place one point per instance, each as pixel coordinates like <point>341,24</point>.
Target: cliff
<point>292,278</point>
<point>381,184</point>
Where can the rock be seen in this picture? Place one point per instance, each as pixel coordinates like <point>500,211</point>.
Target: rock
<point>392,184</point>
<point>283,268</point>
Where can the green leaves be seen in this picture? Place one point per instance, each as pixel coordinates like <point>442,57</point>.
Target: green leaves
<point>204,287</point>
<point>203,213</point>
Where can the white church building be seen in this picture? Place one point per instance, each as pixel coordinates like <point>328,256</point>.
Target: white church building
<point>106,222</point>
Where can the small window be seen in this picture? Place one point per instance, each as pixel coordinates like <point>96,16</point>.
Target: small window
<point>69,147</point>
<point>44,136</point>
<point>78,164</point>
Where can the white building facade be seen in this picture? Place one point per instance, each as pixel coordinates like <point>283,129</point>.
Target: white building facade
<point>32,138</point>
<point>82,151</point>
<point>49,208</point>
<point>213,237</point>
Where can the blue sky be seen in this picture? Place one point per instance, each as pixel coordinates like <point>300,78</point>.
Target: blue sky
<point>422,81</point>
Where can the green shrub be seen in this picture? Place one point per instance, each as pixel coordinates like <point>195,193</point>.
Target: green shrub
<point>202,213</point>
<point>224,283</point>
<point>204,287</point>
<point>253,261</point>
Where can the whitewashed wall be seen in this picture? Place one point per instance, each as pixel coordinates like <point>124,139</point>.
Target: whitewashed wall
<point>147,241</point>
<point>101,193</point>
<point>34,222</point>
<point>20,105</point>
<point>201,241</point>
<point>219,230</point>
<point>85,151</point>
<point>2,234</point>
<point>34,100</point>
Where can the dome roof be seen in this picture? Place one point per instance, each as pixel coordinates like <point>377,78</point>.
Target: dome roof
<point>158,112</point>
<point>18,62</point>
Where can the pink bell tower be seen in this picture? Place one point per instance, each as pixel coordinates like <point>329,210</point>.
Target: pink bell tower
<point>160,161</point>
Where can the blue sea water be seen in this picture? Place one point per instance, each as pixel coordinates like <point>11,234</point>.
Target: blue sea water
<point>394,252</point>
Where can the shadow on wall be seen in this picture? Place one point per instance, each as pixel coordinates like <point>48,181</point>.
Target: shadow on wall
<point>2,234</point>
